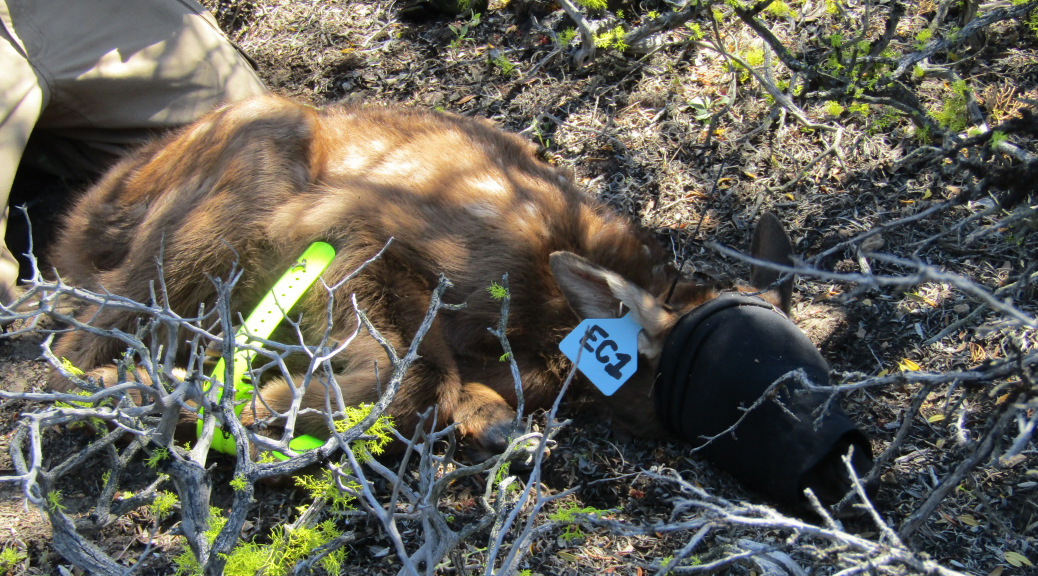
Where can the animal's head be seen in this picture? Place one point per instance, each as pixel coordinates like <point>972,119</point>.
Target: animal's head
<point>706,356</point>
<point>593,291</point>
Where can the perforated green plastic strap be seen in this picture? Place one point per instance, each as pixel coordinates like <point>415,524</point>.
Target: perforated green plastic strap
<point>261,324</point>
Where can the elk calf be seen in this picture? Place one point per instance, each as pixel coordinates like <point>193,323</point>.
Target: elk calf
<point>257,182</point>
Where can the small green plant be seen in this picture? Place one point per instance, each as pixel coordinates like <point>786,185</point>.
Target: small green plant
<point>780,9</point>
<point>502,473</point>
<point>566,514</point>
<point>186,561</point>
<point>497,291</point>
<point>157,456</point>
<point>859,108</point>
<point>566,37</point>
<point>832,7</point>
<point>703,106</point>
<point>286,547</point>
<point>71,369</point>
<point>835,64</point>
<point>571,532</point>
<point>612,39</point>
<point>593,4</point>
<point>922,37</point>
<point>538,133</point>
<point>833,108</point>
<point>98,424</point>
<point>266,457</point>
<point>753,57</point>
<point>163,504</point>
<point>379,434</point>
<point>952,114</point>
<point>325,487</point>
<point>461,30</point>
<point>997,138</point>
<point>922,135</point>
<point>284,551</point>
<point>54,501</point>
<point>238,483</point>
<point>668,562</point>
<point>694,28</point>
<point>73,403</point>
<point>11,557</point>
<point>503,64</point>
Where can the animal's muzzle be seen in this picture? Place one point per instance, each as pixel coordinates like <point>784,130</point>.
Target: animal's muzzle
<point>721,359</point>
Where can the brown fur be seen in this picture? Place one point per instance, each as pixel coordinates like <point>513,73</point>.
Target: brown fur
<point>259,181</point>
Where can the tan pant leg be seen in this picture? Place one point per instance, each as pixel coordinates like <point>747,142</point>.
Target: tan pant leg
<point>117,71</point>
<point>112,73</point>
<point>21,99</point>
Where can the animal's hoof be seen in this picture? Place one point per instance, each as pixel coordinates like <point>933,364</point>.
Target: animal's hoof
<point>496,440</point>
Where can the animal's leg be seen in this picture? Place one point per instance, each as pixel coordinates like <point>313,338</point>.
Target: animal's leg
<point>485,417</point>
<point>87,351</point>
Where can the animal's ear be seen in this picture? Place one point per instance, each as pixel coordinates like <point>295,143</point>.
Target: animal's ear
<point>771,243</point>
<point>596,292</point>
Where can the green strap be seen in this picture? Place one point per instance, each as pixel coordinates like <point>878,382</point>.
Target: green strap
<point>261,324</point>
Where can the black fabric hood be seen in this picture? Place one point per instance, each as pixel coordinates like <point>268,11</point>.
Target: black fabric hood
<point>719,359</point>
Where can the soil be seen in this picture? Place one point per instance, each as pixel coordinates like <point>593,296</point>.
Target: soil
<point>632,130</point>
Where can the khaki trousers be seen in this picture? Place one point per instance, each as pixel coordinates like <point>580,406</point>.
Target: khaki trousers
<point>91,78</point>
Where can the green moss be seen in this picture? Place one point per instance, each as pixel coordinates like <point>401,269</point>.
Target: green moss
<point>503,64</point>
<point>284,551</point>
<point>238,483</point>
<point>566,37</point>
<point>10,557</point>
<point>612,39</point>
<point>952,113</point>
<point>566,514</point>
<point>833,108</point>
<point>70,368</point>
<point>754,57</point>
<point>157,456</point>
<point>997,138</point>
<point>922,37</point>
<point>780,9</point>
<point>54,501</point>
<point>497,291</point>
<point>859,108</point>
<point>163,504</point>
<point>381,432</point>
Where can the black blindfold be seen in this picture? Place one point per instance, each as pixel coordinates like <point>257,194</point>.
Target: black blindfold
<point>723,356</point>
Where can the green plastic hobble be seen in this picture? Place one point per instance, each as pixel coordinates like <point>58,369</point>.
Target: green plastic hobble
<point>261,324</point>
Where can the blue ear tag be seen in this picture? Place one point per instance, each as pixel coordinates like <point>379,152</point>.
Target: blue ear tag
<point>610,354</point>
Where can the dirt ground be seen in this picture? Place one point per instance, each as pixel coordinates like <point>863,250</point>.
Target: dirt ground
<point>635,128</point>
